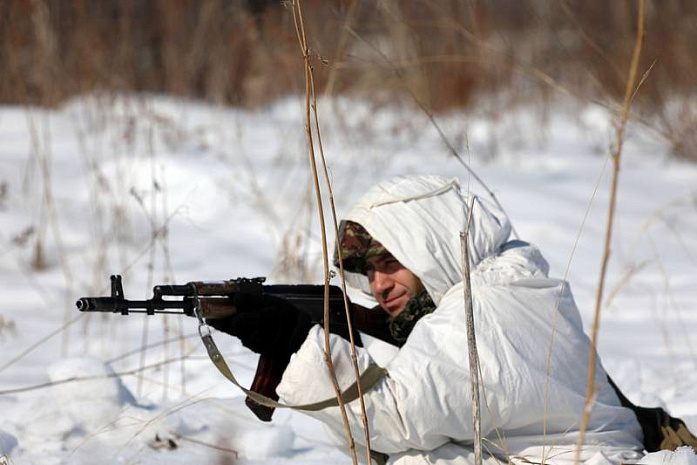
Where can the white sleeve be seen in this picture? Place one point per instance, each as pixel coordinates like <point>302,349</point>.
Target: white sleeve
<point>423,401</point>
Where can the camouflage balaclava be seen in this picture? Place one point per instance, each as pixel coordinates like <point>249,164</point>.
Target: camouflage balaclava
<point>419,306</point>
<point>356,246</point>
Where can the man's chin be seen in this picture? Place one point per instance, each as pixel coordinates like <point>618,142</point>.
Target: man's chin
<point>396,306</point>
<point>395,310</point>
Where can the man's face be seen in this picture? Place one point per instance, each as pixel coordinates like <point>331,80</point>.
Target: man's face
<point>392,285</point>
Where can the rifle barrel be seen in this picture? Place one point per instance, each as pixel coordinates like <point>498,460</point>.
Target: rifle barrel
<point>118,305</point>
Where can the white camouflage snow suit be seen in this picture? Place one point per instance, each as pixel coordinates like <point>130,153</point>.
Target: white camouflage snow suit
<point>532,349</point>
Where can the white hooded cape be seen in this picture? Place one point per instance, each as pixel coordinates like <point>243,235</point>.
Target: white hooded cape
<point>532,349</point>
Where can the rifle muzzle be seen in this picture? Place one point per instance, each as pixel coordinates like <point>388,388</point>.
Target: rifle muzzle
<point>85,304</point>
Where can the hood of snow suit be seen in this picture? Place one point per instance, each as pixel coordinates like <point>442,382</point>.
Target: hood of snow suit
<point>419,218</point>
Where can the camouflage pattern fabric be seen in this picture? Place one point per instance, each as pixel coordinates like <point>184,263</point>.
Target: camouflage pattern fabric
<point>419,305</point>
<point>356,246</point>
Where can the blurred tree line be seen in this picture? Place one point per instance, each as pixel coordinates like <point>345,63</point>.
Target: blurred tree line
<point>445,53</point>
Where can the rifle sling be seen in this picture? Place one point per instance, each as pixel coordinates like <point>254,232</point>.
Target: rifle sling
<point>369,378</point>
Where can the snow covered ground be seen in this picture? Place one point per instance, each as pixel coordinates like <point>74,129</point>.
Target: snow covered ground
<point>164,190</point>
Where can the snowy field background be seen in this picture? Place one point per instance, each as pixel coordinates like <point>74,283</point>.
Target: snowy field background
<point>163,190</point>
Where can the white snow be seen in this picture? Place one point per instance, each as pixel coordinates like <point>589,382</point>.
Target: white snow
<point>682,456</point>
<point>165,190</point>
<point>7,443</point>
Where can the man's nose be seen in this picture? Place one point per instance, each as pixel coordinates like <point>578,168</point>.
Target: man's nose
<point>382,281</point>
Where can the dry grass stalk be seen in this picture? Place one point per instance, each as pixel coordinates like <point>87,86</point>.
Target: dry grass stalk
<point>227,450</point>
<point>302,39</point>
<point>672,301</point>
<point>341,47</point>
<point>47,64</point>
<point>186,403</point>
<point>471,338</point>
<point>178,337</point>
<point>661,215</point>
<point>476,376</point>
<point>630,91</point>
<point>121,374</point>
<point>40,342</point>
<point>550,348</point>
<point>159,235</point>
<point>354,357</point>
<point>625,279</point>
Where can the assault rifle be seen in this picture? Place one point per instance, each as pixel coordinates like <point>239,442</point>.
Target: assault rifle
<point>213,300</point>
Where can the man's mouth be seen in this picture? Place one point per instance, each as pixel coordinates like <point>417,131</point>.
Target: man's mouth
<point>391,301</point>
